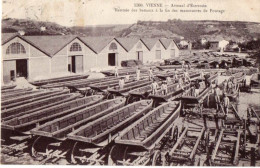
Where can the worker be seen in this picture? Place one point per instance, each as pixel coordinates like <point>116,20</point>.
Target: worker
<point>127,77</point>
<point>217,96</point>
<point>229,86</point>
<point>207,82</point>
<point>182,64</point>
<point>201,74</point>
<point>168,80</point>
<point>154,87</point>
<point>225,103</point>
<point>225,86</point>
<point>150,74</point>
<point>137,74</point>
<point>164,88</point>
<point>189,65</point>
<point>192,89</point>
<point>234,84</point>
<point>121,83</point>
<point>186,76</point>
<point>180,84</point>
<point>116,71</point>
<point>197,88</point>
<point>186,66</point>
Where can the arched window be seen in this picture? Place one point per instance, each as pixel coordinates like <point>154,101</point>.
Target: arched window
<point>15,48</point>
<point>75,47</point>
<point>113,46</point>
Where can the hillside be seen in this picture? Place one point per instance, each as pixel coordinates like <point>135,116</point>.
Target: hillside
<point>32,27</point>
<point>194,30</point>
<point>177,29</point>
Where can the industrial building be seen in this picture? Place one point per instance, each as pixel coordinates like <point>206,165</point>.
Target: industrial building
<point>34,56</point>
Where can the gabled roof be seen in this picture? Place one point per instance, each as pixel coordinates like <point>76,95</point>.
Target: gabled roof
<point>127,43</point>
<point>50,45</point>
<point>166,42</point>
<point>149,42</point>
<point>8,36</point>
<point>97,44</point>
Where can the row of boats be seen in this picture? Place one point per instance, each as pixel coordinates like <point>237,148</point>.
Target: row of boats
<point>125,128</point>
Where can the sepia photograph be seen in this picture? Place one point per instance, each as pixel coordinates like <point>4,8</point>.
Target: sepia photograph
<point>130,82</point>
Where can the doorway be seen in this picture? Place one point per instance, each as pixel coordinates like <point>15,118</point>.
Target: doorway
<point>111,59</point>
<point>140,56</point>
<point>21,68</point>
<point>75,64</point>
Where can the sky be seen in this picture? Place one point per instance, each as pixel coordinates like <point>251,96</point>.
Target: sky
<point>102,12</point>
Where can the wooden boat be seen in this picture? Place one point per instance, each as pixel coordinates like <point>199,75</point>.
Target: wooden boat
<point>12,91</point>
<point>7,87</point>
<point>187,96</point>
<point>173,93</point>
<point>116,91</point>
<point>123,71</point>
<point>100,87</point>
<point>98,131</point>
<point>59,79</point>
<point>87,83</point>
<point>142,92</point>
<point>15,111</point>
<point>58,100</point>
<point>29,121</point>
<point>137,144</point>
<point>77,82</point>
<point>147,131</point>
<point>10,103</point>
<point>60,127</point>
<point>16,95</point>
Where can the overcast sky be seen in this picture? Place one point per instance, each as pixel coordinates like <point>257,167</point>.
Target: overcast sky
<point>96,12</point>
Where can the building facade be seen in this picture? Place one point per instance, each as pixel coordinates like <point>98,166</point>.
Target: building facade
<point>33,57</point>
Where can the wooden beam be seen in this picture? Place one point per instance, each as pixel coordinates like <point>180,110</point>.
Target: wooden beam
<point>217,145</point>
<point>196,144</point>
<point>178,141</point>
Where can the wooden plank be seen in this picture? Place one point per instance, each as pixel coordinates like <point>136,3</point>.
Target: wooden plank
<point>178,141</point>
<point>217,145</point>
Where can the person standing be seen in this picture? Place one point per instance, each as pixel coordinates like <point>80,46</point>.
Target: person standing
<point>116,71</point>
<point>150,74</point>
<point>180,84</point>
<point>182,64</point>
<point>186,76</point>
<point>137,74</point>
<point>154,87</point>
<point>164,88</point>
<point>201,74</point>
<point>197,89</point>
<point>217,96</point>
<point>127,77</point>
<point>168,80</point>
<point>121,83</point>
<point>225,86</point>
<point>226,103</point>
<point>229,86</point>
<point>175,77</point>
<point>207,82</point>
